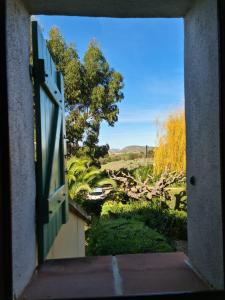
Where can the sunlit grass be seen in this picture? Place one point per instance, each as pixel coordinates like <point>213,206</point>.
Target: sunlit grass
<point>128,164</point>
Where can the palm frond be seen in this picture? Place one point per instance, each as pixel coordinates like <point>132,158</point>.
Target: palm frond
<point>91,174</point>
<point>106,181</point>
<point>79,187</point>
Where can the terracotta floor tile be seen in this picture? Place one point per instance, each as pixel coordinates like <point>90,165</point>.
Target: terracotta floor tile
<point>155,273</point>
<point>133,274</point>
<point>80,277</point>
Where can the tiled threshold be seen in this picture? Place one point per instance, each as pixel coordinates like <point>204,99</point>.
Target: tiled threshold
<point>107,276</point>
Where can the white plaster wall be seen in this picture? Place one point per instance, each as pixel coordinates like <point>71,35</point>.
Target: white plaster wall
<point>70,241</point>
<point>202,113</point>
<point>203,145</point>
<point>21,144</point>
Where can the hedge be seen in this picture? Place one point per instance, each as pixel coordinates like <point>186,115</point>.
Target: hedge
<point>169,222</point>
<point>122,236</point>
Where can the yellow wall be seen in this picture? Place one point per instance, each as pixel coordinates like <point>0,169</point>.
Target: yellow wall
<point>70,241</point>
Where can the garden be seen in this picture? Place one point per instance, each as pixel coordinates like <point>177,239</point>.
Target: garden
<point>144,208</point>
<point>142,212</point>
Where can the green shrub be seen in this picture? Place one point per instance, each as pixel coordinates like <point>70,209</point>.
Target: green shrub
<point>141,173</point>
<point>169,222</point>
<point>121,236</point>
<point>130,209</point>
<point>118,196</point>
<point>92,207</point>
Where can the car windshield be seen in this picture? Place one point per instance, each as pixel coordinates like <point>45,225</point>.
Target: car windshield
<point>96,193</point>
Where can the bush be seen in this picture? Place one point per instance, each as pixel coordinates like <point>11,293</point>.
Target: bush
<point>92,207</point>
<point>122,236</point>
<point>117,196</point>
<point>128,210</point>
<point>141,173</point>
<point>169,222</point>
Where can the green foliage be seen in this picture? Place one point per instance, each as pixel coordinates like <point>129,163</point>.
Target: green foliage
<point>121,236</point>
<point>93,207</point>
<point>172,223</point>
<point>92,91</point>
<point>128,226</point>
<point>83,177</point>
<point>181,201</point>
<point>118,196</point>
<point>142,173</point>
<point>61,53</point>
<point>169,222</point>
<point>127,210</point>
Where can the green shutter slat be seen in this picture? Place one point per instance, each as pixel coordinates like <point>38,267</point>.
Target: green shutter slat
<point>52,199</point>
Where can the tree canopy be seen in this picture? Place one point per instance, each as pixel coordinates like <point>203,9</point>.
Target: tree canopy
<point>92,91</point>
<point>170,154</point>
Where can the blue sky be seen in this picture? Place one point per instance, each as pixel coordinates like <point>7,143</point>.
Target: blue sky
<point>149,54</point>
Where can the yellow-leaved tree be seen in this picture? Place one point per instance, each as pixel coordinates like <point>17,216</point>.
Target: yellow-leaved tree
<point>170,153</point>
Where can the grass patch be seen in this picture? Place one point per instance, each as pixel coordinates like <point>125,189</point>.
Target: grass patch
<point>127,164</point>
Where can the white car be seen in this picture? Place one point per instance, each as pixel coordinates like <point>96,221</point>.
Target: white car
<point>96,194</point>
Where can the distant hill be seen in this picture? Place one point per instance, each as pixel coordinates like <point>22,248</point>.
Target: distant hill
<point>130,149</point>
<point>114,150</point>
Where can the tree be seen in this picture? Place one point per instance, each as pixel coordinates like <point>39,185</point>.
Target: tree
<point>170,154</point>
<point>92,91</point>
<point>83,177</point>
<point>136,187</point>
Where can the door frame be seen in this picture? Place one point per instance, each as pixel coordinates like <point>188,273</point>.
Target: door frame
<point>221,26</point>
<point>5,199</point>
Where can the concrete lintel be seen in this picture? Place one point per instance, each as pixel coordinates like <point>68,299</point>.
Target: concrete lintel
<point>112,8</point>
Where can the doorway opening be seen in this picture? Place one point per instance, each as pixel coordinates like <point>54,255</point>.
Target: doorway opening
<point>202,86</point>
<point>126,136</point>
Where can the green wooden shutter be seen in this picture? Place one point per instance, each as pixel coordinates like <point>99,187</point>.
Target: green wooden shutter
<point>52,200</point>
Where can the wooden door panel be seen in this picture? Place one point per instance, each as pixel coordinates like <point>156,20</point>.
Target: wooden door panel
<point>52,202</point>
